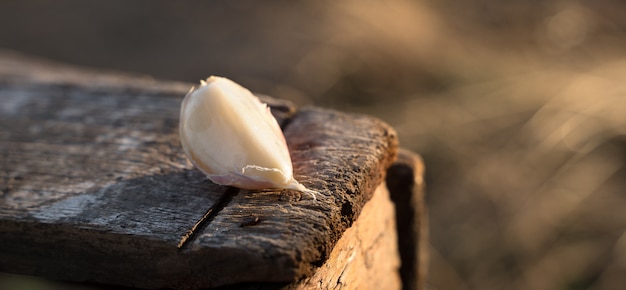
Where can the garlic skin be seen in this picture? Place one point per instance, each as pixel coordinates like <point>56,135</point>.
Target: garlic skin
<point>233,138</point>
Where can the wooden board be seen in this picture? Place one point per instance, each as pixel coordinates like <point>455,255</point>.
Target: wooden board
<point>95,186</point>
<point>405,180</point>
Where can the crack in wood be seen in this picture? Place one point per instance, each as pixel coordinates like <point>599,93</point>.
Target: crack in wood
<point>208,216</point>
<point>286,111</point>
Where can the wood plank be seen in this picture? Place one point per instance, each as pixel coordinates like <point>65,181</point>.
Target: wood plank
<point>405,180</point>
<point>95,186</point>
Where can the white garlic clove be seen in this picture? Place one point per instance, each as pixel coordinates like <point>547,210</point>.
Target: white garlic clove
<point>233,138</point>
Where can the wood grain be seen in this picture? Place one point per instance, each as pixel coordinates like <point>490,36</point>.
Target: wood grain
<point>95,186</point>
<point>366,256</point>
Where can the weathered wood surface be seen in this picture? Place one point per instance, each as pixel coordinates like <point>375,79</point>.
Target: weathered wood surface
<point>95,186</point>
<point>366,256</point>
<point>405,180</point>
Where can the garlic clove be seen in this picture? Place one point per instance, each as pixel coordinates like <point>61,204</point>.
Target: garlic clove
<point>233,138</point>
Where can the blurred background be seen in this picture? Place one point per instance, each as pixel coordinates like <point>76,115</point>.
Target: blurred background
<point>518,107</point>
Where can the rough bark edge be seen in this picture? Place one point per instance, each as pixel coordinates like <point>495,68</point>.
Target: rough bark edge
<point>354,195</point>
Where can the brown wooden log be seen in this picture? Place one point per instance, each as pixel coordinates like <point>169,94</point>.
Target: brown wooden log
<point>95,186</point>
